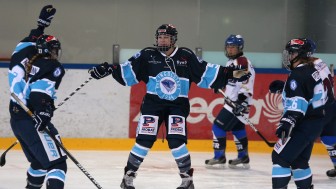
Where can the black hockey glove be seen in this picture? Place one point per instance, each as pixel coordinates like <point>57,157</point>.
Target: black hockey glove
<point>42,118</point>
<point>240,108</point>
<point>46,15</point>
<point>284,130</point>
<point>276,86</point>
<point>100,71</point>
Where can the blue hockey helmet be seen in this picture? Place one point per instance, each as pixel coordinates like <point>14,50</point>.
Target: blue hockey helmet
<point>234,40</point>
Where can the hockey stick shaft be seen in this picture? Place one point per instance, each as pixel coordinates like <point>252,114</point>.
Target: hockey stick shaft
<point>74,92</point>
<point>229,101</point>
<point>30,113</point>
<point>3,156</point>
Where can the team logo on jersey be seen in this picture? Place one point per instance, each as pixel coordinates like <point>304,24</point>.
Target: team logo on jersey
<point>293,84</point>
<point>137,55</point>
<point>57,72</point>
<point>168,85</point>
<point>153,61</point>
<point>182,62</point>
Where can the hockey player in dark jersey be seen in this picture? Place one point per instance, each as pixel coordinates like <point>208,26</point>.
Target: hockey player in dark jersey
<point>168,71</point>
<point>328,135</point>
<point>304,100</point>
<point>34,75</point>
<point>230,118</point>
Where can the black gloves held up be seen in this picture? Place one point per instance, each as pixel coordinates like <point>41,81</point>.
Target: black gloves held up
<point>46,15</point>
<point>100,71</point>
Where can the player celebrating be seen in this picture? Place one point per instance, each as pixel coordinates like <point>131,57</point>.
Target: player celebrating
<point>34,75</point>
<point>304,99</point>
<point>230,117</point>
<point>168,71</point>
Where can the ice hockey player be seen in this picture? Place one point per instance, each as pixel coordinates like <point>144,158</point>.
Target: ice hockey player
<point>304,99</point>
<point>168,71</point>
<point>328,135</point>
<point>230,117</point>
<point>34,75</point>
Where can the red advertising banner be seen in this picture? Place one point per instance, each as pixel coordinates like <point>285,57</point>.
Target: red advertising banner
<point>205,105</point>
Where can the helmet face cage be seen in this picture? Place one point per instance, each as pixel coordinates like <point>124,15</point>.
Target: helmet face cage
<point>48,46</point>
<point>169,30</point>
<point>234,40</point>
<point>301,46</point>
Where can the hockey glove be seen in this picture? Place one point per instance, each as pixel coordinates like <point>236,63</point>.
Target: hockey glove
<point>244,77</point>
<point>100,71</point>
<point>42,119</point>
<point>276,86</point>
<point>240,108</point>
<point>284,130</point>
<point>230,69</point>
<point>46,15</point>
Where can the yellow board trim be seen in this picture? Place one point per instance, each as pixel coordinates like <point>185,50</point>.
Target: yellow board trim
<point>127,144</point>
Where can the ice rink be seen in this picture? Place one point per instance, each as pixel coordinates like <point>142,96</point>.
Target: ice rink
<point>159,171</point>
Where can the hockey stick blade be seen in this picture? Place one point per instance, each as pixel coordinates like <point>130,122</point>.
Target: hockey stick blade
<point>229,101</point>
<point>59,144</point>
<point>3,156</point>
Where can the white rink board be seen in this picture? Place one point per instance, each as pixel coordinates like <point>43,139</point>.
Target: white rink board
<point>99,110</point>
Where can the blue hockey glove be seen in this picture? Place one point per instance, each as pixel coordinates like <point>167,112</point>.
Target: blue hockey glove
<point>100,71</point>
<point>46,15</point>
<point>240,108</point>
<point>276,86</point>
<point>284,130</point>
<point>42,119</point>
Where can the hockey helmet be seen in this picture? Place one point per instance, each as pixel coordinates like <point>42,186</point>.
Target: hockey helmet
<point>302,46</point>
<point>166,29</point>
<point>48,46</point>
<point>234,40</point>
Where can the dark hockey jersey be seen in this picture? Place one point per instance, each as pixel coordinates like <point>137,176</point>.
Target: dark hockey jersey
<point>304,96</point>
<point>21,55</point>
<point>45,75</point>
<point>169,77</point>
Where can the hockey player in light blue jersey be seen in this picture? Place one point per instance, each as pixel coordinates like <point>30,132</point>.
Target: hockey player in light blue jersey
<point>168,71</point>
<point>328,135</point>
<point>34,76</point>
<point>304,100</point>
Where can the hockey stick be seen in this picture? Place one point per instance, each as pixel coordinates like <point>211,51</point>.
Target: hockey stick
<point>3,156</point>
<point>229,101</point>
<point>59,144</point>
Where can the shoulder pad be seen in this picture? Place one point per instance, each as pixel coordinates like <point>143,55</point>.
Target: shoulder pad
<point>149,49</point>
<point>186,50</point>
<point>242,61</point>
<point>316,76</point>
